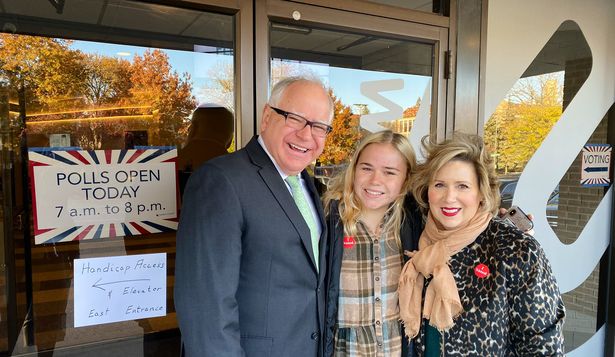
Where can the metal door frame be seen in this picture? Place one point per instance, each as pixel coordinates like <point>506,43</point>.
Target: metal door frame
<point>436,33</point>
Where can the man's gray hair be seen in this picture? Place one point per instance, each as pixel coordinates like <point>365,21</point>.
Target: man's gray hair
<point>280,87</point>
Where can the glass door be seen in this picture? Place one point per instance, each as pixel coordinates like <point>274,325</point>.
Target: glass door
<point>381,73</point>
<point>98,102</point>
<point>15,288</point>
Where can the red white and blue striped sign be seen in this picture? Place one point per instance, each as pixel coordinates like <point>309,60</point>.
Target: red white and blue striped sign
<point>596,165</point>
<point>94,194</point>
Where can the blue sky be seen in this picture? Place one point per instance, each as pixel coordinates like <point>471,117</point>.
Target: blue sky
<point>345,82</point>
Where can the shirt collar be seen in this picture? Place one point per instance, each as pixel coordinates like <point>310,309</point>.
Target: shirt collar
<point>282,174</point>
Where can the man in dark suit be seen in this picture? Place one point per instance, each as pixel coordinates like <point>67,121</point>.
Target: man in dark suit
<point>249,275</point>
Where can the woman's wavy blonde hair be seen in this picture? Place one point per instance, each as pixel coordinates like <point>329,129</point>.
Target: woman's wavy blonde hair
<point>341,186</point>
<point>462,147</point>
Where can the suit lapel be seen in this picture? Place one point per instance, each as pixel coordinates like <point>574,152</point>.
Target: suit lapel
<point>322,243</point>
<point>278,188</point>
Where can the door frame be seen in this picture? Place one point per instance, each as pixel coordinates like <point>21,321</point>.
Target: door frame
<point>346,19</point>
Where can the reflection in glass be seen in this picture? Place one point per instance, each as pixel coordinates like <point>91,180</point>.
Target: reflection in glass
<point>515,131</point>
<point>522,120</point>
<point>130,76</point>
<point>5,204</point>
<point>358,69</point>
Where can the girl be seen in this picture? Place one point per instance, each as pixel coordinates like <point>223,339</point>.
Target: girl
<point>366,212</point>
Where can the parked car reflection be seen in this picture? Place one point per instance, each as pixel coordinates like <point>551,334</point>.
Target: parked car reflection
<point>508,185</point>
<point>552,207</point>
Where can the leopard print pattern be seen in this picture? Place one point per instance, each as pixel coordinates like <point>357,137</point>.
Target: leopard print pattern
<point>515,310</point>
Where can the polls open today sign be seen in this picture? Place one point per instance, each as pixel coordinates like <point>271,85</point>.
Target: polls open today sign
<point>79,194</point>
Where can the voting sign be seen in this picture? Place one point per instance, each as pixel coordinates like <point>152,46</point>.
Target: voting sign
<point>596,165</point>
<point>79,194</point>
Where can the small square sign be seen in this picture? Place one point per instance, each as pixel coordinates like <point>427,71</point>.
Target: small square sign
<point>596,165</point>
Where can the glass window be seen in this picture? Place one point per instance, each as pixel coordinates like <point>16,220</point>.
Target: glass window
<point>376,82</point>
<point>515,132</point>
<point>127,78</point>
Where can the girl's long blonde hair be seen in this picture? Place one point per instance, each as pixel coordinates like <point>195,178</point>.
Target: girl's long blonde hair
<point>341,186</point>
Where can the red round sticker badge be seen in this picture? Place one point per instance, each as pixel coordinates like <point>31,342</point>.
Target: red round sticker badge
<point>481,271</point>
<point>348,242</point>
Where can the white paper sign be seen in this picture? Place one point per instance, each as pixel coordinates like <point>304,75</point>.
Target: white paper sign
<point>103,194</point>
<point>122,288</point>
<point>82,194</point>
<point>596,165</point>
<point>59,140</point>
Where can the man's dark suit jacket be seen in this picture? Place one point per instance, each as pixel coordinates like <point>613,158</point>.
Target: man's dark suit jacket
<point>245,278</point>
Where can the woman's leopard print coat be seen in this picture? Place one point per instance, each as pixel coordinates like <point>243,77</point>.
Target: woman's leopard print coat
<point>516,310</point>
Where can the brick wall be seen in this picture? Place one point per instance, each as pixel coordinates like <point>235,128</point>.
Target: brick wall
<point>576,205</point>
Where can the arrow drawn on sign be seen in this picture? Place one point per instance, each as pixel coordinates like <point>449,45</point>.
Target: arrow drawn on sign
<point>596,169</point>
<point>99,286</point>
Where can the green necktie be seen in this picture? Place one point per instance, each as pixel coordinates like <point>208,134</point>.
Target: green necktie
<point>306,212</point>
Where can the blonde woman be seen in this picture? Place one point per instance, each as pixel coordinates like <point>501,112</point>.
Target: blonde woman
<point>476,286</point>
<point>366,212</point>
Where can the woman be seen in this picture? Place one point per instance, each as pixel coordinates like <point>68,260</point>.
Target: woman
<point>210,135</point>
<point>365,208</point>
<point>491,291</point>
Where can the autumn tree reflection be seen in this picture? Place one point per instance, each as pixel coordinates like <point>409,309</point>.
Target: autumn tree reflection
<point>94,98</point>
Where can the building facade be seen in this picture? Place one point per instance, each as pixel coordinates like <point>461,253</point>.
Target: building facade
<point>97,98</point>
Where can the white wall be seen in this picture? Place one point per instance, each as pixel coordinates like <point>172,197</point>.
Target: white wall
<point>516,32</point>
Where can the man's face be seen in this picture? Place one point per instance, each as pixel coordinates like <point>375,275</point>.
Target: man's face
<point>292,149</point>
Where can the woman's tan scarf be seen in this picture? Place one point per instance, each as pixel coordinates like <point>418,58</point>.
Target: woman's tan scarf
<point>436,246</point>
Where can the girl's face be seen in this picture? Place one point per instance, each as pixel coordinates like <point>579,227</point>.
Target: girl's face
<point>379,176</point>
<point>454,195</point>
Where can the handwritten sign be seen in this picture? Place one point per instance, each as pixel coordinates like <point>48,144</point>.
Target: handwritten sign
<point>81,194</point>
<point>596,165</point>
<point>112,289</point>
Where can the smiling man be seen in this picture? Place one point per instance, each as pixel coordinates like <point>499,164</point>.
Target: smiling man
<point>250,265</point>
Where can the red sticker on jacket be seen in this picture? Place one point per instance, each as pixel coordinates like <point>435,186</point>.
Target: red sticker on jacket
<point>481,271</point>
<point>348,242</point>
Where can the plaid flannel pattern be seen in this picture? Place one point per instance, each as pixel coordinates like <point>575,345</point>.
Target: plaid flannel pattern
<point>368,312</point>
